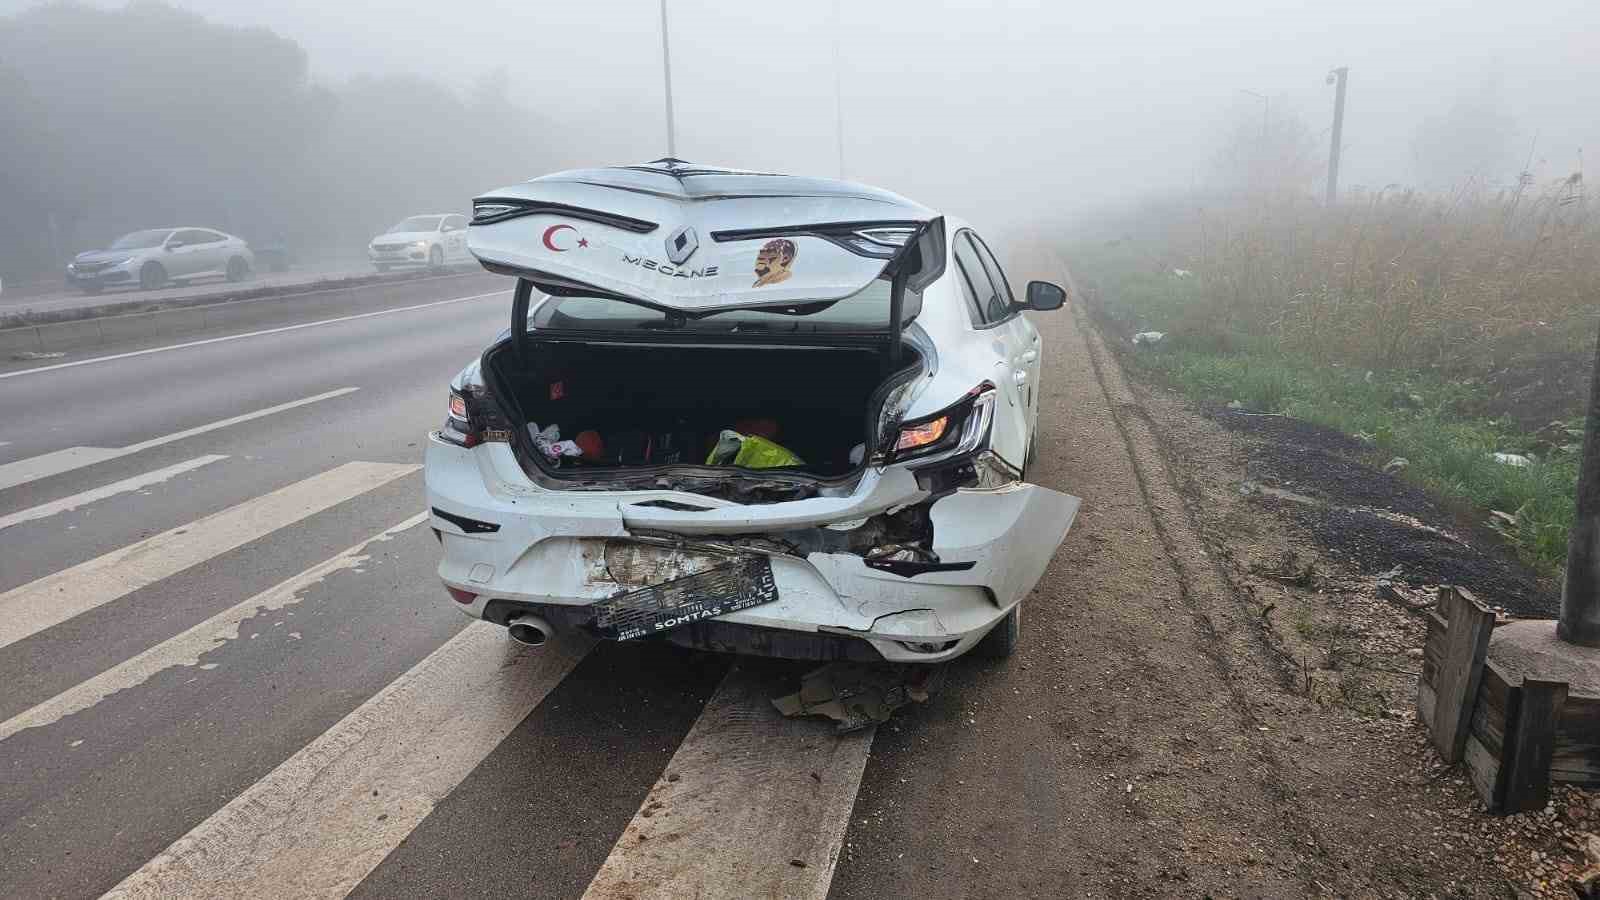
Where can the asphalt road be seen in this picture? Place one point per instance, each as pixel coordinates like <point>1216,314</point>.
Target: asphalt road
<point>230,670</point>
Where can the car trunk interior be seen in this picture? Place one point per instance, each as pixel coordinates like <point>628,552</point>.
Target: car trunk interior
<point>638,405</point>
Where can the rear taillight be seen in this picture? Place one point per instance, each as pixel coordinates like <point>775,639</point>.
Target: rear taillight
<point>458,427</point>
<point>957,430</point>
<point>460,596</point>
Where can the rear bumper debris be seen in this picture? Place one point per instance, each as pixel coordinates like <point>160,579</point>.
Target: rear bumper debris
<point>809,587</point>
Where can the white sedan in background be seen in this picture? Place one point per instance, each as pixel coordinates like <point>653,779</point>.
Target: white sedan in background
<point>433,240</point>
<point>156,256</point>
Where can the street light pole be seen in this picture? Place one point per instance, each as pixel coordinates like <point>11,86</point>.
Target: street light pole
<point>1339,75</point>
<point>1266,106</point>
<point>838,91</point>
<point>1580,595</point>
<point>666,80</point>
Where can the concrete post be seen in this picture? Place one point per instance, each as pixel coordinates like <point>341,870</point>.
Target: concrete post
<point>1580,595</point>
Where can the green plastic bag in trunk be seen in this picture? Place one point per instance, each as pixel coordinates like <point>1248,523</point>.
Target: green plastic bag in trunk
<point>750,451</point>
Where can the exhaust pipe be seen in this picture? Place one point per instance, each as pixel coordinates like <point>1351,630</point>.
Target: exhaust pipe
<point>529,630</point>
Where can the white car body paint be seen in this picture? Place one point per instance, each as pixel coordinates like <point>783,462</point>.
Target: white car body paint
<point>999,539</point>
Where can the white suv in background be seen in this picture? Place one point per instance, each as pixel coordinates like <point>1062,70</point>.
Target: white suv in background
<point>433,240</point>
<point>156,256</point>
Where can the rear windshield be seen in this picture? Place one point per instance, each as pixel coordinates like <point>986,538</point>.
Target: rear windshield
<point>865,310</point>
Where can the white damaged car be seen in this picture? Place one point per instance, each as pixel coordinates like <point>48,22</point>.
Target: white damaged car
<point>745,412</point>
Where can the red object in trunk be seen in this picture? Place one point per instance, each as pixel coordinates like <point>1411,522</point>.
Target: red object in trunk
<point>767,428</point>
<point>592,445</point>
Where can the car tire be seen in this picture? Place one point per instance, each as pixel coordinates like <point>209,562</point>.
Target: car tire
<point>238,269</point>
<point>435,258</point>
<point>152,276</point>
<point>1001,641</point>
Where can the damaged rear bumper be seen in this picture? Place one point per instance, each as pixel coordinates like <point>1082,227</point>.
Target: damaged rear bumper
<point>517,548</point>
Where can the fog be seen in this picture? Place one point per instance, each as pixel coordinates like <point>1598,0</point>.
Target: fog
<point>1003,113</point>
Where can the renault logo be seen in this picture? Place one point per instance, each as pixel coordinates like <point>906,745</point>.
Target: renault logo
<point>681,244</point>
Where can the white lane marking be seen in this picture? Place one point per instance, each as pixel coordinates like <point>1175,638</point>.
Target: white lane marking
<point>137,482</point>
<point>53,599</point>
<point>48,464</point>
<point>187,648</point>
<point>237,337</point>
<point>320,822</point>
<point>737,802</point>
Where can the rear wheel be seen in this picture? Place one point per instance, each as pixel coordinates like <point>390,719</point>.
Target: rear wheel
<point>152,276</point>
<point>1002,640</point>
<point>436,258</point>
<point>238,269</point>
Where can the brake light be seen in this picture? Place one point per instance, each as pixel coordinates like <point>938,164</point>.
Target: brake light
<point>458,427</point>
<point>960,429</point>
<point>921,435</point>
<point>460,596</point>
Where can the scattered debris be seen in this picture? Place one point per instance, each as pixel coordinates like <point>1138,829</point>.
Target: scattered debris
<point>1148,337</point>
<point>857,695</point>
<point>1515,460</point>
<point>1397,465</point>
<point>1181,273</point>
<point>36,354</point>
<point>1288,570</point>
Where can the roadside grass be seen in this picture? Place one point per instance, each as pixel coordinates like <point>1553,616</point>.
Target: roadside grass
<point>1242,323</point>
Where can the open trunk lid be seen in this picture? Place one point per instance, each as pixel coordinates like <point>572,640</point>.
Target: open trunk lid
<point>696,241</point>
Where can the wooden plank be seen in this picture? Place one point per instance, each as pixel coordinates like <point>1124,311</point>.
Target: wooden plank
<point>1484,755</point>
<point>1494,707</point>
<point>1531,742</point>
<point>1425,702</point>
<point>1428,680</point>
<point>1484,768</point>
<point>1576,758</point>
<point>1465,647</point>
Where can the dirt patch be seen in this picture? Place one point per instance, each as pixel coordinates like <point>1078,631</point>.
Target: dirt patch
<point>1375,521</point>
<point>1535,390</point>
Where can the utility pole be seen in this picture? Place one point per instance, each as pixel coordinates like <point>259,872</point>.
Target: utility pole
<point>1266,106</point>
<point>666,79</point>
<point>1580,595</point>
<point>838,92</point>
<point>1338,75</point>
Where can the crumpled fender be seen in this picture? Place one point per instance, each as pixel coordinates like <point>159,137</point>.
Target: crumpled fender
<point>1008,534</point>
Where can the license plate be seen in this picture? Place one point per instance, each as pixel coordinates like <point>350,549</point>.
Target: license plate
<point>738,584</point>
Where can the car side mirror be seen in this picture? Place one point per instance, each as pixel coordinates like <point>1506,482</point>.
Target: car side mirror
<point>1044,296</point>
